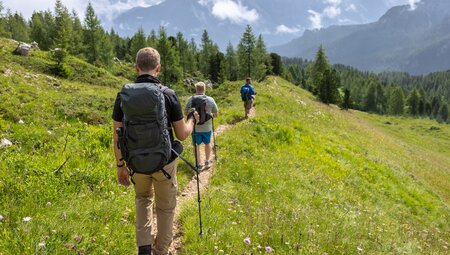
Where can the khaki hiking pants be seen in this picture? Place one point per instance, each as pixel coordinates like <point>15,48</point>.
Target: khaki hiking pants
<point>165,192</point>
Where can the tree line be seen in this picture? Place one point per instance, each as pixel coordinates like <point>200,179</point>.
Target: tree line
<point>180,58</point>
<point>385,93</point>
<point>393,93</point>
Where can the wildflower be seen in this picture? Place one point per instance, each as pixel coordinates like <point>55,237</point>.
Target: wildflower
<point>41,244</point>
<point>268,249</point>
<point>26,219</point>
<point>21,122</point>
<point>221,251</point>
<point>216,248</point>
<point>259,233</point>
<point>49,203</point>
<point>49,132</point>
<point>1,217</point>
<point>234,223</point>
<point>247,240</point>
<point>64,216</point>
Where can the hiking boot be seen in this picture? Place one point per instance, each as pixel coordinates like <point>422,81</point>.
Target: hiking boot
<point>207,164</point>
<point>145,250</point>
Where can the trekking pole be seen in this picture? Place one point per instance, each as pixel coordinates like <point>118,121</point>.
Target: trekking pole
<point>198,181</point>
<point>215,141</point>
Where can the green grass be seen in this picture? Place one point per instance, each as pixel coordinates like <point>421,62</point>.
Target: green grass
<point>305,178</point>
<point>301,177</point>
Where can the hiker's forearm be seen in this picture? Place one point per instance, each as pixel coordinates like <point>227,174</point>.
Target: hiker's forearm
<point>183,129</point>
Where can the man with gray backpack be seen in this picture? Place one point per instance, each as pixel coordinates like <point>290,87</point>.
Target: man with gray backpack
<point>207,109</point>
<point>144,117</point>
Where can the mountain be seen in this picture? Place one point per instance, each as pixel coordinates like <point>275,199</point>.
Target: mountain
<point>404,39</point>
<point>278,21</point>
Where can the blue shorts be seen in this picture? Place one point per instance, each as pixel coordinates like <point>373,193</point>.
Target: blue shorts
<point>202,137</point>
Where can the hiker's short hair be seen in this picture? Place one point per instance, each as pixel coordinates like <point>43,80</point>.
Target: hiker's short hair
<point>248,79</point>
<point>200,86</point>
<point>147,59</point>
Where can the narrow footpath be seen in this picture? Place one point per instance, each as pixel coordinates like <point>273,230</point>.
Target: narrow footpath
<point>190,192</point>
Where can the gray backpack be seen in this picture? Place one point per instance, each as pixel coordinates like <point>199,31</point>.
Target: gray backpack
<point>145,142</point>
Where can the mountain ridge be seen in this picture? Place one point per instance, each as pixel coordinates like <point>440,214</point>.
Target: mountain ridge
<point>414,41</point>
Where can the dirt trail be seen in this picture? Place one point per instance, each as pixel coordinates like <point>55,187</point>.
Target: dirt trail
<point>190,192</point>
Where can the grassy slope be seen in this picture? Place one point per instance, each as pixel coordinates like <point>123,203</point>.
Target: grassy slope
<point>298,177</point>
<point>305,178</point>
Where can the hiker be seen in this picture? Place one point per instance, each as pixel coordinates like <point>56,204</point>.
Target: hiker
<point>207,109</point>
<point>133,115</point>
<point>248,96</point>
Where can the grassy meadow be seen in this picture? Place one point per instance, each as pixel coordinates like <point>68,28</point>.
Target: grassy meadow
<point>299,178</point>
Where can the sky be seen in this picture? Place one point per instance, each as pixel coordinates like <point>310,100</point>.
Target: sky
<point>234,10</point>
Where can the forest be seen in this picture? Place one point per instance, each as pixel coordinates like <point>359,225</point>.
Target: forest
<point>183,60</point>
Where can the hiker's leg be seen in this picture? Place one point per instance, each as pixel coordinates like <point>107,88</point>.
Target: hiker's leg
<point>144,208</point>
<point>166,201</point>
<point>207,141</point>
<point>198,141</point>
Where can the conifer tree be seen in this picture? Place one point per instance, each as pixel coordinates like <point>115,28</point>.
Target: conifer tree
<point>370,99</point>
<point>41,25</point>
<point>138,41</point>
<point>183,52</point>
<point>76,44</point>
<point>192,57</point>
<point>231,65</point>
<point>92,35</point>
<point>396,102</point>
<point>17,27</point>
<point>207,50</point>
<point>262,59</point>
<point>170,60</point>
<point>444,114</point>
<point>277,65</point>
<point>63,26</point>
<point>317,71</point>
<point>346,102</point>
<point>217,68</point>
<point>245,50</point>
<point>413,103</point>
<point>3,32</point>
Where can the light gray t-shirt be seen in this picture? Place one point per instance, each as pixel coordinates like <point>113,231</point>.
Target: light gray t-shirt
<point>211,107</point>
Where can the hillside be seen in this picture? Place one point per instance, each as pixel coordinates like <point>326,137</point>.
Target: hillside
<point>300,177</point>
<point>414,41</point>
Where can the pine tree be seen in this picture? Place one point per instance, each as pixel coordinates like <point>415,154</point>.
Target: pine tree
<point>63,26</point>
<point>41,24</point>
<point>413,103</point>
<point>444,114</point>
<point>262,59</point>
<point>17,27</point>
<point>76,44</point>
<point>245,50</point>
<point>277,65</point>
<point>396,102</point>
<point>347,101</point>
<point>105,52</point>
<point>3,32</point>
<point>231,65</point>
<point>370,99</point>
<point>92,35</point>
<point>138,41</point>
<point>217,68</point>
<point>192,58</point>
<point>207,50</point>
<point>183,52</point>
<point>170,60</point>
<point>317,71</point>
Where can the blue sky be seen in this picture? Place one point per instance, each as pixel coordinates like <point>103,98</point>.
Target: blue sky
<point>329,12</point>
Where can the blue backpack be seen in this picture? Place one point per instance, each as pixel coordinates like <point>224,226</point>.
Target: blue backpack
<point>245,93</point>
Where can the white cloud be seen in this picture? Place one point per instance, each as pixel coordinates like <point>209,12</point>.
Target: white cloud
<point>333,2</point>
<point>413,4</point>
<point>332,11</point>
<point>351,8</point>
<point>283,29</point>
<point>316,19</point>
<point>203,2</point>
<point>234,11</point>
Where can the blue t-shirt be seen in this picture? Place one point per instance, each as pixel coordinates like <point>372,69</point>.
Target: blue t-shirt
<point>247,92</point>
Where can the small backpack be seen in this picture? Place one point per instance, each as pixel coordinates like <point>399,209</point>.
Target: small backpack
<point>146,141</point>
<point>245,93</point>
<point>199,102</point>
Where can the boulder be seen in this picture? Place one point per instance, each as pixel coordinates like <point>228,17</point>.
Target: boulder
<point>22,49</point>
<point>5,143</point>
<point>35,45</point>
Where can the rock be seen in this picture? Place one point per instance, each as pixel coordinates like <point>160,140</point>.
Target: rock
<point>7,72</point>
<point>22,49</point>
<point>21,122</point>
<point>35,45</point>
<point>5,142</point>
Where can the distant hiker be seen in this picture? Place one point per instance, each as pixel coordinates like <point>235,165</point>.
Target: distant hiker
<point>207,109</point>
<point>145,114</point>
<point>248,96</point>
